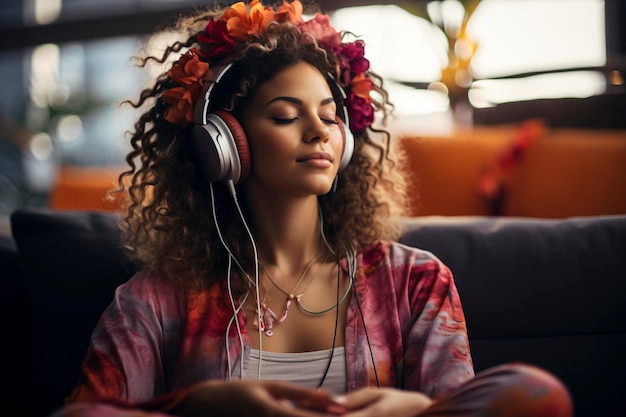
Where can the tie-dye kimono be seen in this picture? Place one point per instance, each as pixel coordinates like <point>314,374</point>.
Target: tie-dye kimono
<point>154,340</point>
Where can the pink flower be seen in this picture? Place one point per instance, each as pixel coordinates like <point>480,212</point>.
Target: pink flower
<point>321,29</point>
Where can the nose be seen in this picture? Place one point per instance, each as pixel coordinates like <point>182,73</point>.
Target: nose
<point>317,131</point>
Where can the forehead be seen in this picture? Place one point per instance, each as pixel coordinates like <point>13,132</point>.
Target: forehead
<point>300,80</point>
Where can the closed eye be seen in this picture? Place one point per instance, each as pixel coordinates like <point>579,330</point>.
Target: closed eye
<point>281,121</point>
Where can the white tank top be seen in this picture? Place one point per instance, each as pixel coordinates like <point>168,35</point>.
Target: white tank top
<point>305,369</point>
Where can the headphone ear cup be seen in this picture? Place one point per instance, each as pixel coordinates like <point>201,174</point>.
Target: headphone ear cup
<point>238,137</point>
<point>221,148</point>
<point>348,144</point>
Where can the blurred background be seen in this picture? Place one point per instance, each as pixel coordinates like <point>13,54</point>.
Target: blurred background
<point>451,66</point>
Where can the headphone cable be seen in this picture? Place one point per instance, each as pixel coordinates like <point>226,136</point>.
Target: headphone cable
<point>233,193</point>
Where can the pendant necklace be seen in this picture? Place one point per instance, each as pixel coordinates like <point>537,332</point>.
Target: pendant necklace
<point>265,321</point>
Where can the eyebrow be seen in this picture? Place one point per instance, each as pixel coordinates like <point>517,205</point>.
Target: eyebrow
<point>297,101</point>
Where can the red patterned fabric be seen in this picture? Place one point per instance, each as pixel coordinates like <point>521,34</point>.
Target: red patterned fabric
<point>155,341</point>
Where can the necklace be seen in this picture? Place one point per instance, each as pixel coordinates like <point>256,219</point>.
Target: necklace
<point>265,321</point>
<point>315,313</point>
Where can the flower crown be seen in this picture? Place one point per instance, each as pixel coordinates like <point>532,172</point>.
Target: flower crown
<point>238,25</point>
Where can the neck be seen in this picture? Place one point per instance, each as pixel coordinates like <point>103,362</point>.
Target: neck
<point>286,230</point>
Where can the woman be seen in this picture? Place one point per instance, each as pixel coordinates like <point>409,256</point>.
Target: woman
<point>271,285</point>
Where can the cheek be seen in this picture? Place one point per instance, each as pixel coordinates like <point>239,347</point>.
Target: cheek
<point>268,149</point>
<point>337,143</point>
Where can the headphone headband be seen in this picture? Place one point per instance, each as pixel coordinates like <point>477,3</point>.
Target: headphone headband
<point>202,107</point>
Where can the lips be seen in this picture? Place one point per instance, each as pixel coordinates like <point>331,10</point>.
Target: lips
<point>316,155</point>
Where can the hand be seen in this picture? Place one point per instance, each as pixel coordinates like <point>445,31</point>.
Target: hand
<point>382,402</point>
<point>254,399</point>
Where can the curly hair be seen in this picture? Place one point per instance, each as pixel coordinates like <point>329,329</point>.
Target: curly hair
<point>168,225</point>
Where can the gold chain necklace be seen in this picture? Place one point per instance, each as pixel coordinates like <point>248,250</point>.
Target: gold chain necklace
<point>265,321</point>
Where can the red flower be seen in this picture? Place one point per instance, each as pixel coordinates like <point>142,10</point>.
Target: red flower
<point>321,29</point>
<point>354,53</point>
<point>361,113</point>
<point>217,38</point>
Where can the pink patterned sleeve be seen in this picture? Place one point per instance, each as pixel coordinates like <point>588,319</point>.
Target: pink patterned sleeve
<point>123,366</point>
<point>437,355</point>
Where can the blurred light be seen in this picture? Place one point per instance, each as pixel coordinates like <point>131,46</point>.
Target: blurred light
<point>411,101</point>
<point>453,13</point>
<point>463,48</point>
<point>44,73</point>
<point>70,92</point>
<point>574,84</point>
<point>59,96</point>
<point>69,128</point>
<point>433,8</point>
<point>438,86</point>
<point>47,11</point>
<point>463,78</point>
<point>616,78</point>
<point>519,36</point>
<point>41,146</point>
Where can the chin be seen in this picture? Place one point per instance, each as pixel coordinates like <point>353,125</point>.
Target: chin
<point>323,188</point>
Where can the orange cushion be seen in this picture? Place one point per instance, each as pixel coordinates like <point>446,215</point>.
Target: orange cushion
<point>564,172</point>
<point>79,188</point>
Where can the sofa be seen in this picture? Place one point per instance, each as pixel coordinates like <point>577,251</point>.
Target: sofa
<point>542,171</point>
<point>549,292</point>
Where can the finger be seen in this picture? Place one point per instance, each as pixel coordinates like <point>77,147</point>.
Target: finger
<point>358,399</point>
<point>300,397</point>
<point>287,408</point>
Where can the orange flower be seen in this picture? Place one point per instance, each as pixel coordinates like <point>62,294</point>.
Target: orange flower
<point>361,87</point>
<point>241,23</point>
<point>291,12</point>
<point>189,73</point>
<point>189,69</point>
<point>182,104</point>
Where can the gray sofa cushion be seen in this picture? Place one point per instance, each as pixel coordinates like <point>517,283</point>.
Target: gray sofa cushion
<point>547,292</point>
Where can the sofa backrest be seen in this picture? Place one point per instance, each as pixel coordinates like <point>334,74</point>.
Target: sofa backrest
<point>71,264</point>
<point>547,292</point>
